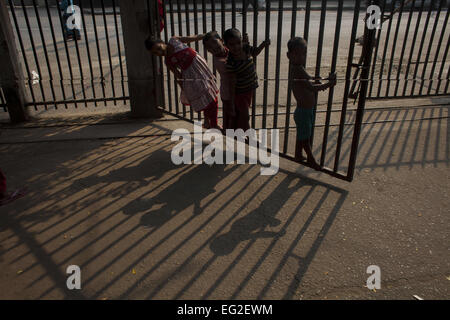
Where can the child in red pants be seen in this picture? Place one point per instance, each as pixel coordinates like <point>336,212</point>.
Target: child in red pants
<point>240,62</point>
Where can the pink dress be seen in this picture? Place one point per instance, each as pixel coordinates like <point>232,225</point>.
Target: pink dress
<point>199,88</point>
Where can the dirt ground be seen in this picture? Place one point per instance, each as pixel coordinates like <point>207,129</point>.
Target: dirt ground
<point>103,194</point>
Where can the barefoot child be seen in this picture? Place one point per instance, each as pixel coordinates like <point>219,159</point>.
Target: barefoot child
<point>198,86</point>
<point>240,62</point>
<point>214,44</point>
<point>305,94</point>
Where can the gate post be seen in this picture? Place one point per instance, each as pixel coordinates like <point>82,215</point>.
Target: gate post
<point>143,79</point>
<point>369,37</point>
<point>11,76</point>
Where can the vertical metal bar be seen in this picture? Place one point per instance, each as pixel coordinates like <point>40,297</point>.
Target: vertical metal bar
<point>100,63</point>
<point>196,23</point>
<point>369,36</point>
<point>222,17</point>
<point>255,44</point>
<point>180,33</point>
<point>444,58</point>
<point>108,47</point>
<point>376,50</point>
<point>159,63</point>
<point>416,32</point>
<point>169,75</point>
<point>152,31</point>
<point>180,19</point>
<point>213,13</point>
<point>347,85</point>
<point>186,11</point>
<point>427,56</point>
<point>266,66</point>
<point>446,86</point>
<point>119,50</point>
<point>88,51</point>
<point>307,18</point>
<point>33,47</point>
<point>188,32</point>
<point>233,13</point>
<point>44,47</point>
<point>321,36</point>
<point>438,49</point>
<point>80,66</point>
<point>289,89</point>
<point>422,42</point>
<point>27,67</point>
<point>2,101</point>
<point>166,39</point>
<point>331,92</point>
<point>278,61</point>
<point>205,53</point>
<point>213,26</point>
<point>172,31</point>
<point>386,45</point>
<point>319,57</point>
<point>394,42</point>
<point>244,18</point>
<point>55,47</point>
<point>404,47</point>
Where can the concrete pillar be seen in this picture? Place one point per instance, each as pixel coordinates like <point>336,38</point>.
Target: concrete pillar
<point>11,76</point>
<point>143,76</point>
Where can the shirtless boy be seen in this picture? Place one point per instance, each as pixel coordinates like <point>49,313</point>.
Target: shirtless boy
<point>305,93</point>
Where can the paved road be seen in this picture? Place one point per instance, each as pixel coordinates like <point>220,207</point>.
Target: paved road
<point>120,209</point>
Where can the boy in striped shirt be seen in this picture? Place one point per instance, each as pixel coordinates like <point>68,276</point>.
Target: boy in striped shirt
<point>240,62</point>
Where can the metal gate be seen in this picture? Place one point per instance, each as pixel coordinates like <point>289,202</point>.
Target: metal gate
<point>331,47</point>
<point>411,50</point>
<point>70,72</point>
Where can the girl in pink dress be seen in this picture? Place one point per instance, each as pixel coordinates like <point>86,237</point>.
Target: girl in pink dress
<point>198,84</point>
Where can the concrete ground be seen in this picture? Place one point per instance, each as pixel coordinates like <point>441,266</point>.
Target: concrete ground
<point>104,195</point>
